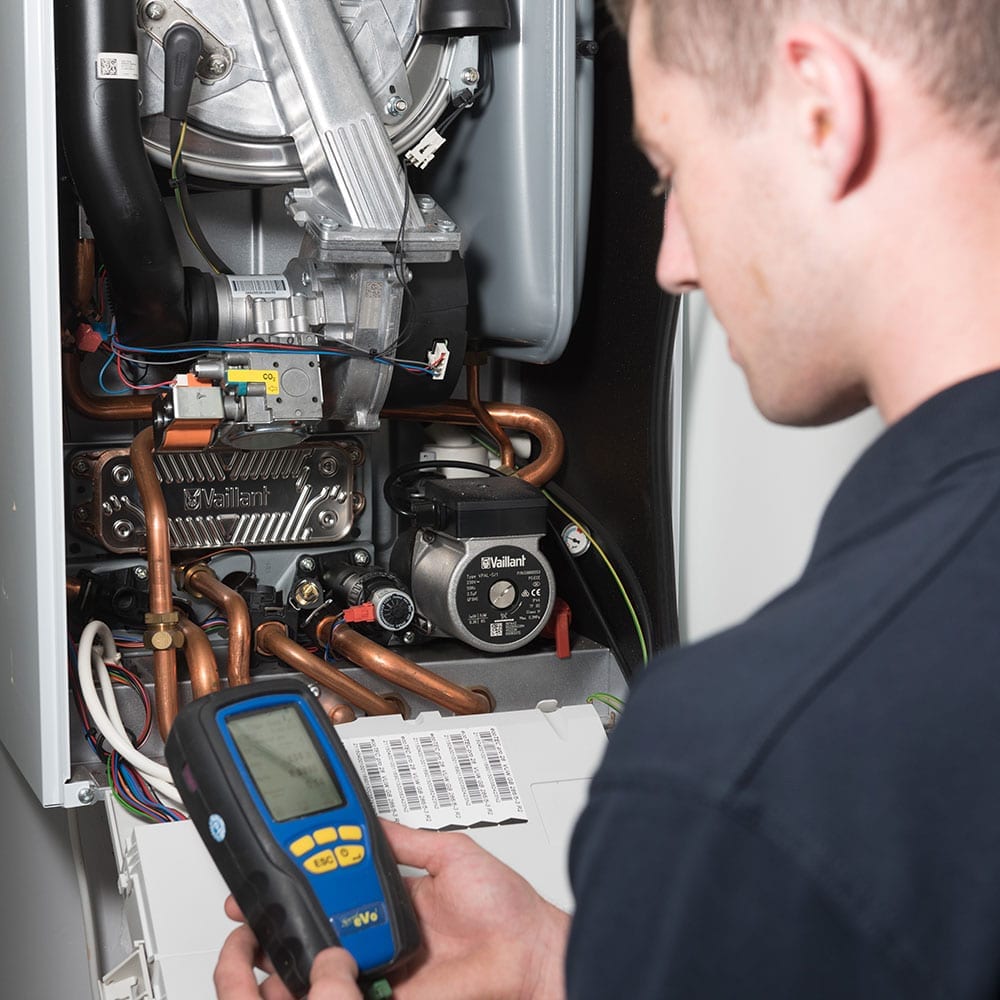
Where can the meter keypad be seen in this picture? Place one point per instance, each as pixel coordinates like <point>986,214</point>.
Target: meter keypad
<point>326,859</point>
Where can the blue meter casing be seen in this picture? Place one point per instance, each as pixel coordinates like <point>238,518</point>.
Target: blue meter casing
<point>277,802</point>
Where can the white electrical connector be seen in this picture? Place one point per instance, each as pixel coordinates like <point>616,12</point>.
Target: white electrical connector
<point>423,152</point>
<point>438,357</point>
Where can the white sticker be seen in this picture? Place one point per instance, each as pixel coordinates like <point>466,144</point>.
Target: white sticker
<point>217,828</point>
<point>450,779</point>
<point>117,66</point>
<point>260,286</point>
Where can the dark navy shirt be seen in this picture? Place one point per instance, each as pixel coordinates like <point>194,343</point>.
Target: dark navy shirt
<point>808,805</point>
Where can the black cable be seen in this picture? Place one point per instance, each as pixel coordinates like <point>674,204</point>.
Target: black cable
<point>413,470</point>
<point>611,548</point>
<point>660,448</point>
<point>589,596</point>
<point>178,181</point>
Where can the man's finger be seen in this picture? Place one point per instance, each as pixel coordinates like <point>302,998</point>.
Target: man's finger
<point>426,849</point>
<point>334,976</point>
<point>234,976</point>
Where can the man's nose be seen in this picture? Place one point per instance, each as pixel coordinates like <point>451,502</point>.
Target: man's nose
<point>675,266</point>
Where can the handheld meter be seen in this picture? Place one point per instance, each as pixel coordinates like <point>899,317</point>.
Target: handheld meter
<point>276,800</point>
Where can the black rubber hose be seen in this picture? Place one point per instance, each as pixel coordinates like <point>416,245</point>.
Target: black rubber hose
<point>99,122</point>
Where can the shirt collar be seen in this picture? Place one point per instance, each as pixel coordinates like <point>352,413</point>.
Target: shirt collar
<point>956,426</point>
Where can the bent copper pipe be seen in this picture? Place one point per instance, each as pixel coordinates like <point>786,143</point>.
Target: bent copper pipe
<point>200,581</point>
<point>489,422</point>
<point>399,670</point>
<point>161,597</point>
<point>73,588</point>
<point>272,640</point>
<point>202,668</point>
<point>522,418</point>
<point>101,407</point>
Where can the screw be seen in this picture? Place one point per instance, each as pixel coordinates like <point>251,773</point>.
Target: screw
<point>86,795</point>
<point>328,466</point>
<point>327,518</point>
<point>141,573</point>
<point>355,454</point>
<point>428,537</point>
<point>155,11</point>
<point>327,222</point>
<point>445,225</point>
<point>396,106</point>
<point>314,688</point>
<point>81,513</point>
<point>409,638</point>
<point>122,529</point>
<point>80,467</point>
<point>470,75</point>
<point>217,65</point>
<point>307,564</point>
<point>588,48</point>
<point>426,202</point>
<point>121,474</point>
<point>360,558</point>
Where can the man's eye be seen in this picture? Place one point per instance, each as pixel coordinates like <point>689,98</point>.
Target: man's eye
<point>661,189</point>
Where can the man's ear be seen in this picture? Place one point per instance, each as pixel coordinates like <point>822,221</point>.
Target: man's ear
<point>830,99</point>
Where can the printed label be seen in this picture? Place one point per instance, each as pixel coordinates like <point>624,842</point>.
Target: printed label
<point>117,66</point>
<point>260,286</point>
<point>451,779</point>
<point>268,376</point>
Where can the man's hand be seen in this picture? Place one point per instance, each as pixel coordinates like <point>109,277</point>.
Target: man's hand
<point>487,933</point>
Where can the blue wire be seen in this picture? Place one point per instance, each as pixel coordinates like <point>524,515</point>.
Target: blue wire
<point>100,379</point>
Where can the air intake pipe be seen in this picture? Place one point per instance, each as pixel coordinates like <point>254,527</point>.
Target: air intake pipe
<point>98,93</point>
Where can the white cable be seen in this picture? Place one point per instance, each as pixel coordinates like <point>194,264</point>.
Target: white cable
<point>86,900</point>
<point>156,774</point>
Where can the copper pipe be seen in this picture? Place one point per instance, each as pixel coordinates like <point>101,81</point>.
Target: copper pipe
<point>341,713</point>
<point>199,581</point>
<point>165,688</point>
<point>83,290</point>
<point>73,588</point>
<point>489,422</point>
<point>162,632</point>
<point>272,640</point>
<point>523,418</point>
<point>202,668</point>
<point>161,595</point>
<point>399,670</point>
<point>101,407</point>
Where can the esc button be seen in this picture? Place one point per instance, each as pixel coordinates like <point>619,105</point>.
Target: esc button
<point>320,863</point>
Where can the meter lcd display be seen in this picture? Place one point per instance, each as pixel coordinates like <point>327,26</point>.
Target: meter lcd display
<point>284,762</point>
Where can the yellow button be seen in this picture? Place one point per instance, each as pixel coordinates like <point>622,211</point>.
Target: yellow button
<point>302,846</point>
<point>327,835</point>
<point>350,854</point>
<point>351,833</point>
<point>322,862</point>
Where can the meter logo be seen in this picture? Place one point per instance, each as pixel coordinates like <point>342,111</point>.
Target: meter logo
<point>360,919</point>
<point>217,828</point>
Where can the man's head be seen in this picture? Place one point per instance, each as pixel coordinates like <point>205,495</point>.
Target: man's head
<point>821,158</point>
<point>950,46</point>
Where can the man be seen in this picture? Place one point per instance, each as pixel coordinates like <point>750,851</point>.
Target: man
<point>804,806</point>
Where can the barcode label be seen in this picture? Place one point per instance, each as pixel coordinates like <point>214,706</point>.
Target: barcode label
<point>430,755</point>
<point>369,767</point>
<point>463,760</point>
<point>496,760</point>
<point>117,66</point>
<point>261,286</point>
<point>447,778</point>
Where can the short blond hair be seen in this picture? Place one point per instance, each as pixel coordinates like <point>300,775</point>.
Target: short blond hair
<point>952,47</point>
